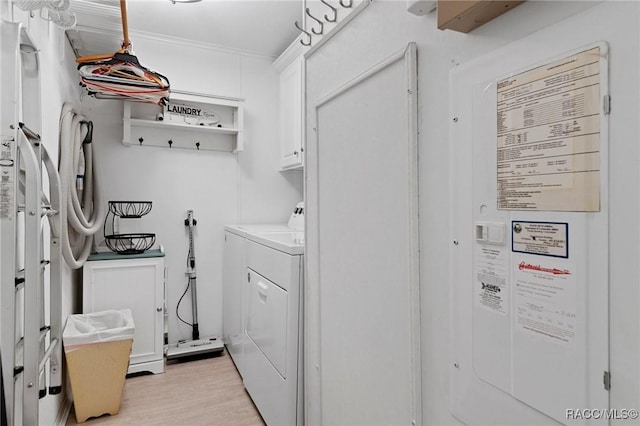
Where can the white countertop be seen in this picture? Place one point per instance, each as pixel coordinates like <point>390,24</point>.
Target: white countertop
<point>288,242</point>
<point>278,236</point>
<point>242,230</point>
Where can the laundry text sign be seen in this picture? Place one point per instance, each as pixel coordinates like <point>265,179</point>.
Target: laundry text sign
<point>190,114</point>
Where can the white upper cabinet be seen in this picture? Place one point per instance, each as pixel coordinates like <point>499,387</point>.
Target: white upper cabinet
<point>291,123</point>
<point>291,106</point>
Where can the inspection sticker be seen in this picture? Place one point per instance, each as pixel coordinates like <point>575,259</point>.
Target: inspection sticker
<point>491,290</point>
<point>541,238</point>
<point>546,298</point>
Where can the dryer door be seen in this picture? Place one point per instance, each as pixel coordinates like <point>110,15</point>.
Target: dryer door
<point>267,320</point>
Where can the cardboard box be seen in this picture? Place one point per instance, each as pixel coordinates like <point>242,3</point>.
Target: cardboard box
<point>97,372</point>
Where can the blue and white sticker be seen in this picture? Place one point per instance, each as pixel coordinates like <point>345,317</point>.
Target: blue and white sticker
<point>540,238</point>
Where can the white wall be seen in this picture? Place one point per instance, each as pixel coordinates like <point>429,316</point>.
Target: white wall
<point>220,187</point>
<point>383,28</point>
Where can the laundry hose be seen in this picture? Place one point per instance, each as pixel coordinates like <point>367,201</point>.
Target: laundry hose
<point>82,214</point>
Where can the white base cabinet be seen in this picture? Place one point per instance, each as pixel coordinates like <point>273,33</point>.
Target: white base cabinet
<point>120,282</point>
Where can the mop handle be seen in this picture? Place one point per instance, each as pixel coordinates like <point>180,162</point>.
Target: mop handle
<point>125,27</point>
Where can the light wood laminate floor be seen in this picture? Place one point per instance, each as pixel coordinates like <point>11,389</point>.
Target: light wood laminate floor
<point>199,392</point>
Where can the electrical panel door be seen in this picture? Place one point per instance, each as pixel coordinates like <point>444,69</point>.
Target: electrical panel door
<point>530,234</point>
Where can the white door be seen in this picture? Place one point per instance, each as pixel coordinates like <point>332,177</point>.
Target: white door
<point>362,250</point>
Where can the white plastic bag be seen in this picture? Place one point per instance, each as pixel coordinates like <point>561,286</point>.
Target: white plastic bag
<point>97,327</point>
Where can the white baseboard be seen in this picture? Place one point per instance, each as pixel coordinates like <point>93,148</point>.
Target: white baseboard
<point>63,412</point>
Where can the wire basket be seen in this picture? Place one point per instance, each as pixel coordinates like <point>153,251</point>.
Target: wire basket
<point>130,243</point>
<point>130,209</point>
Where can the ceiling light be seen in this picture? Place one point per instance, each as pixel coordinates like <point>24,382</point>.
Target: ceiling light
<point>184,1</point>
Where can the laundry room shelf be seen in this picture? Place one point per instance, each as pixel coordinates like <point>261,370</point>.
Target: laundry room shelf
<point>190,127</point>
<point>151,125</point>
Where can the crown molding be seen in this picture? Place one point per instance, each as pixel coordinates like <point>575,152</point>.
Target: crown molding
<point>295,49</point>
<point>94,8</point>
<point>112,29</point>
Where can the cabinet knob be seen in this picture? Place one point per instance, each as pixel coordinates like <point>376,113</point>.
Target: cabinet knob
<point>159,309</point>
<point>295,152</point>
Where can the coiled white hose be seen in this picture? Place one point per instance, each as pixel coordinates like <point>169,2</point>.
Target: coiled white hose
<point>85,218</point>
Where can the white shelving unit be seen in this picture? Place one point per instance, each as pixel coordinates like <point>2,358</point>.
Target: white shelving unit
<point>142,126</point>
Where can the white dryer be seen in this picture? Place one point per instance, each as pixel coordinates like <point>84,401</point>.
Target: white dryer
<point>268,351</point>
<point>234,279</point>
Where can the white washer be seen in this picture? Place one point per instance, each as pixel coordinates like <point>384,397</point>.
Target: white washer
<point>268,353</point>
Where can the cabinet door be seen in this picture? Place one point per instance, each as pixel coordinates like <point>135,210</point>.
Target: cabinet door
<point>234,275</point>
<point>135,284</point>
<point>291,104</point>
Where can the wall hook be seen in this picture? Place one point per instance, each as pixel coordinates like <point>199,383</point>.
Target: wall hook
<point>346,4</point>
<point>333,9</point>
<point>170,143</point>
<point>198,146</point>
<point>313,30</point>
<point>308,43</point>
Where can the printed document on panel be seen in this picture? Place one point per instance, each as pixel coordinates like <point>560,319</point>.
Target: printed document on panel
<point>548,129</point>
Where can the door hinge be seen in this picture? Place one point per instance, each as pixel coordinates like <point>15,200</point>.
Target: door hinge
<point>248,276</point>
<point>607,380</point>
<point>606,104</point>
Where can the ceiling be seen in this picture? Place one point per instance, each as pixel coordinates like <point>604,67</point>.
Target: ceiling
<point>261,27</point>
